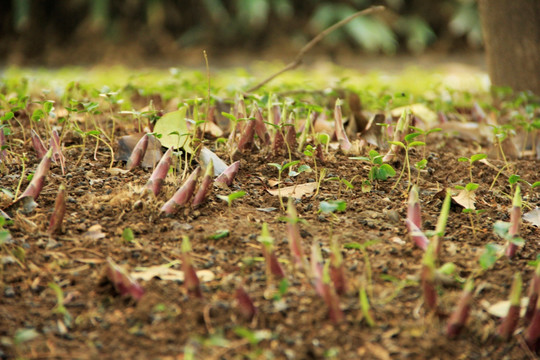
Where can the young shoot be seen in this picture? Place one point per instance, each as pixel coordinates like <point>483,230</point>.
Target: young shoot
<point>232,197</point>
<point>471,161</point>
<point>409,143</point>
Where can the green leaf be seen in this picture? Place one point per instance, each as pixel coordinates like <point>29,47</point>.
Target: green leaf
<point>421,164</point>
<point>536,184</point>
<point>7,116</point>
<point>477,157</point>
<point>347,183</point>
<point>128,235</point>
<point>289,164</point>
<point>489,256</point>
<point>463,159</point>
<point>276,165</point>
<point>386,171</point>
<point>501,228</point>
<point>332,205</point>
<point>172,126</point>
<point>409,137</point>
<point>398,143</point>
<point>513,179</point>
<point>220,234</point>
<point>471,187</point>
<point>417,143</point>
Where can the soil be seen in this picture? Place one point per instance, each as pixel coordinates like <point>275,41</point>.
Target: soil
<point>168,323</point>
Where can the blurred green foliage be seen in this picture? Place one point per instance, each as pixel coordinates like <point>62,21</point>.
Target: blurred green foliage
<point>411,25</point>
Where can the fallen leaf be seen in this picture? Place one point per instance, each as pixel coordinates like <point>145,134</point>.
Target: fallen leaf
<point>207,155</point>
<point>533,217</point>
<point>500,309</point>
<point>94,233</point>
<point>127,143</point>
<point>174,130</point>
<point>117,171</point>
<point>295,191</point>
<point>465,198</point>
<point>165,272</point>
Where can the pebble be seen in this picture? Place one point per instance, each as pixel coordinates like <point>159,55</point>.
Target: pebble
<point>9,292</point>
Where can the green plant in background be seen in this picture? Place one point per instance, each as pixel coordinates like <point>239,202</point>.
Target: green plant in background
<point>379,170</point>
<point>232,197</point>
<point>407,146</point>
<point>471,161</point>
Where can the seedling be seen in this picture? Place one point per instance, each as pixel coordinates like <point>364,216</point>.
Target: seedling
<point>38,180</point>
<point>427,277</point>
<point>282,168</point>
<point>227,177</point>
<point>330,296</point>
<point>138,152</point>
<point>337,269</point>
<point>407,146</point>
<point>401,126</point>
<point>293,235</point>
<point>379,170</point>
<point>367,265</point>
<point>492,252</point>
<point>364,305</point>
<point>273,268</point>
<point>182,196</point>
<point>231,197</point>
<point>510,321</point>
<point>245,305</point>
<point>128,235</point>
<point>471,161</point>
<point>532,334</point>
<point>341,135</point>
<point>468,193</point>
<point>425,134</point>
<point>55,223</point>
<point>191,280</point>
<point>60,308</point>
<point>534,292</point>
<point>510,231</point>
<point>159,174</point>
<point>205,186</point>
<point>457,320</point>
<point>122,281</point>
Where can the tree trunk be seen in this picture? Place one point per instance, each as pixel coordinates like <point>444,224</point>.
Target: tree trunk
<point>512,37</point>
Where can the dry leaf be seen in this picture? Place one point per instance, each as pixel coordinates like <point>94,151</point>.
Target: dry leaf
<point>207,155</point>
<point>500,309</point>
<point>151,156</point>
<point>465,198</point>
<point>165,272</point>
<point>94,233</point>
<point>296,191</point>
<point>533,217</point>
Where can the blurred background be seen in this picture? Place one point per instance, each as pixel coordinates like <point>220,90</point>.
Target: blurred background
<point>154,32</point>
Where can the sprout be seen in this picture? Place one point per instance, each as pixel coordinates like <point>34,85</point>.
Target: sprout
<point>510,321</point>
<point>160,173</point>
<point>36,185</point>
<point>457,320</point>
<point>55,223</point>
<point>137,155</point>
<point>182,195</point>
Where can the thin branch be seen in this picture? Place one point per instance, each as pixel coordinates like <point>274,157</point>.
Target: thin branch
<point>298,60</point>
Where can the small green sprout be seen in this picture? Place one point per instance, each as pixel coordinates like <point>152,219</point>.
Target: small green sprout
<point>231,197</point>
<point>471,161</point>
<point>379,170</point>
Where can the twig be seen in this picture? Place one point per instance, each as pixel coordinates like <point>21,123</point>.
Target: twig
<point>298,60</point>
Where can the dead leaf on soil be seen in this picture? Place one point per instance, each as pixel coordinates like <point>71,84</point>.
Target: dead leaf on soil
<point>164,272</point>
<point>207,155</point>
<point>428,116</point>
<point>117,171</point>
<point>533,217</point>
<point>465,198</point>
<point>378,351</point>
<point>151,156</point>
<point>296,191</point>
<point>94,233</point>
<point>500,309</point>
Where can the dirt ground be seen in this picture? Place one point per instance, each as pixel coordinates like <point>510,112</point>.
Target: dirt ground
<point>167,323</point>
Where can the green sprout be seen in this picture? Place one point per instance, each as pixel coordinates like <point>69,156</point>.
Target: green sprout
<point>232,196</point>
<point>471,161</point>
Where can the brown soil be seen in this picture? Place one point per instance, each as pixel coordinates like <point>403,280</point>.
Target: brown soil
<point>167,323</point>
